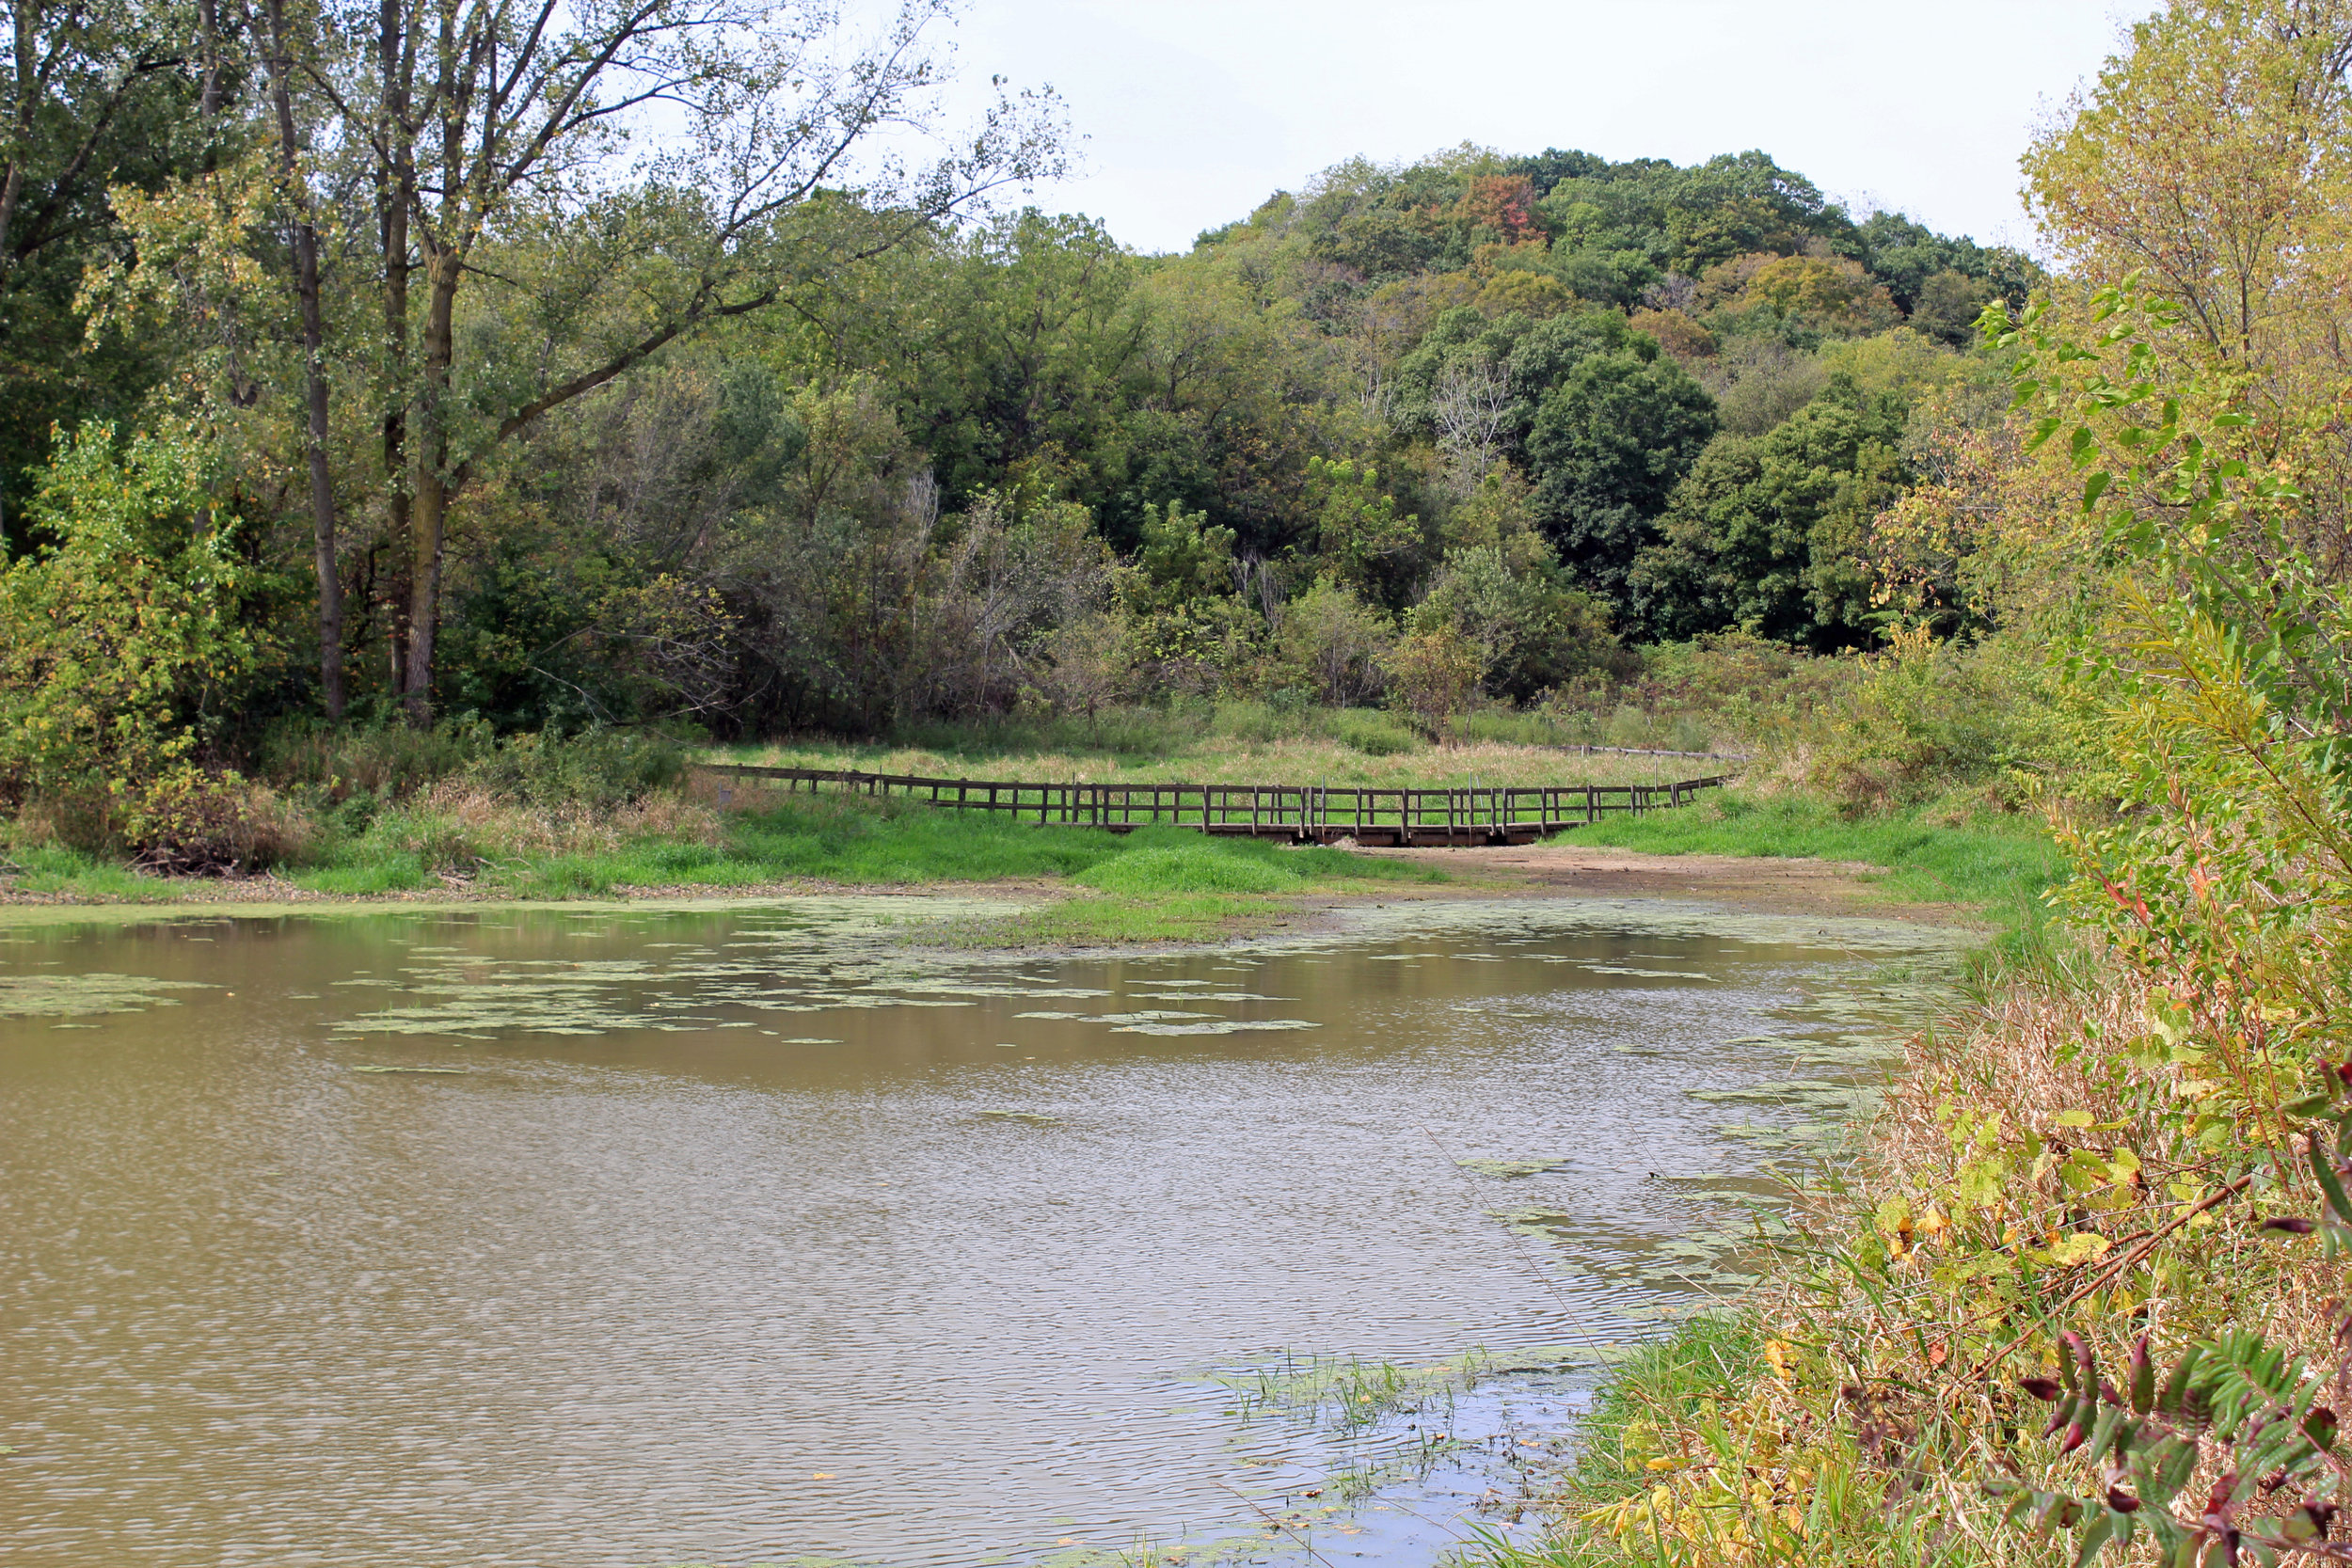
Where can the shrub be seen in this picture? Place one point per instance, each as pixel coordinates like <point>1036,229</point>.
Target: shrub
<point>597,768</point>
<point>119,640</point>
<point>386,761</point>
<point>1371,734</point>
<point>1928,715</point>
<point>1432,675</point>
<point>1529,629</point>
<point>1279,717</point>
<point>205,822</point>
<point>1331,642</point>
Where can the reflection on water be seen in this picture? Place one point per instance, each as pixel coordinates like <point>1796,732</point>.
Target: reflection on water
<point>639,1236</point>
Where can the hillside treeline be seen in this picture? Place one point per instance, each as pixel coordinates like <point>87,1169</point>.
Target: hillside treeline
<point>2078,1294</point>
<point>595,370</point>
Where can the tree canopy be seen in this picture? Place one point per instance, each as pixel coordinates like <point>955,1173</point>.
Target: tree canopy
<point>601,364</point>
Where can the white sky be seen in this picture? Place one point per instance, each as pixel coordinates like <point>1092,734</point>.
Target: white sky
<point>1195,111</point>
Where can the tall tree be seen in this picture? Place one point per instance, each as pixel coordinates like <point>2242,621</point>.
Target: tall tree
<point>279,58</point>
<point>91,92</point>
<point>506,138</point>
<point>73,71</point>
<point>2213,155</point>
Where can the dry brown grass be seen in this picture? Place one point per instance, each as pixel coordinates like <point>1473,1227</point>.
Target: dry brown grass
<point>455,823</point>
<point>1226,759</point>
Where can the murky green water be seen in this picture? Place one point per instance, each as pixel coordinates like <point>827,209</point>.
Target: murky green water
<point>733,1234</point>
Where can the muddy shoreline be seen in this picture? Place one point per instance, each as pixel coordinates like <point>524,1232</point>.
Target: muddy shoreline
<point>1765,885</point>
<point>1757,884</point>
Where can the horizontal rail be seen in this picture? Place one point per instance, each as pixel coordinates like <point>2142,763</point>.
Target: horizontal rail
<point>1583,750</point>
<point>1301,813</point>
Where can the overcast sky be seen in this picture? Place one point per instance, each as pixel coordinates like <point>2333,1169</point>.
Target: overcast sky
<point>1195,111</point>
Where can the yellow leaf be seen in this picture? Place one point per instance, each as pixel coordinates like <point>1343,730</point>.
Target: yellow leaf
<point>2081,1247</point>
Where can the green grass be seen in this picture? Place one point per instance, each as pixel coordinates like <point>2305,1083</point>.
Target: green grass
<point>1997,864</point>
<point>1157,884</point>
<point>828,843</point>
<point>51,869</point>
<point>366,872</point>
<point>1165,884</point>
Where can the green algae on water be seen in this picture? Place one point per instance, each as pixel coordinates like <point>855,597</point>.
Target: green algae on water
<point>1224,1027</point>
<point>83,995</point>
<point>1509,1169</point>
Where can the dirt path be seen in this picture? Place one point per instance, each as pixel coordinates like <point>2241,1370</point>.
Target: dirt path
<point>1768,886</point>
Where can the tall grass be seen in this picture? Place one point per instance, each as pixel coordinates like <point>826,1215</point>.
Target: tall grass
<point>1230,741</point>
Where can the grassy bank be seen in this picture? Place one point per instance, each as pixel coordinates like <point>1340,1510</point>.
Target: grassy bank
<point>2113,1140</point>
<point>456,810</point>
<point>1997,863</point>
<point>1152,885</point>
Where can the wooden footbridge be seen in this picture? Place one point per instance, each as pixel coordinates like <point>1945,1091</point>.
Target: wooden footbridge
<point>1298,814</point>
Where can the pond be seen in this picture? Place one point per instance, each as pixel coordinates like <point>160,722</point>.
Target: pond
<point>749,1232</point>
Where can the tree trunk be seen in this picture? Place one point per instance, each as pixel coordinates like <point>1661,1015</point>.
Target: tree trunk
<point>208,34</point>
<point>395,189</point>
<point>430,517</point>
<point>306,249</point>
<point>24,19</point>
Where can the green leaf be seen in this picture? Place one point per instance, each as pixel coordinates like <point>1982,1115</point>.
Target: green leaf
<point>2094,1538</point>
<point>2176,1386</point>
<point>2325,1168</point>
<point>2299,1526</point>
<point>2104,1433</point>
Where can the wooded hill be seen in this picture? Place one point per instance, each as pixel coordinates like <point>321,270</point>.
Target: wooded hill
<point>496,417</point>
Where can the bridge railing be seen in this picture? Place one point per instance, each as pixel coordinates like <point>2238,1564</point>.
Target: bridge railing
<point>1311,810</point>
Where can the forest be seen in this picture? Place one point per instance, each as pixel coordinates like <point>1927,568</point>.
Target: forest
<point>428,376</point>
